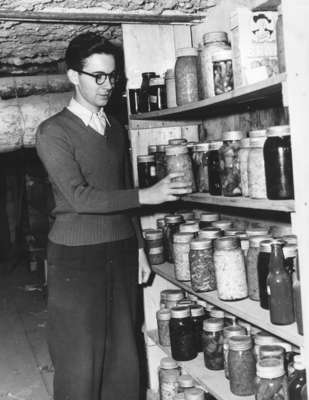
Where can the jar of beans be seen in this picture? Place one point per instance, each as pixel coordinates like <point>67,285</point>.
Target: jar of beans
<point>181,248</point>
<point>202,269</point>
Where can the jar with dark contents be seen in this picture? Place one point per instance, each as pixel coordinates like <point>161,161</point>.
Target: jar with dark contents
<point>183,345</point>
<point>212,340</point>
<point>206,219</point>
<point>146,169</point>
<point>271,382</point>
<point>157,94</point>
<point>160,161</point>
<point>172,226</point>
<point>154,247</point>
<point>178,160</point>
<point>198,316</point>
<point>181,248</point>
<point>228,332</point>
<point>169,372</point>
<point>241,365</point>
<point>230,163</point>
<point>214,168</point>
<point>263,271</point>
<point>202,269</point>
<point>290,253</point>
<point>143,100</point>
<point>200,166</point>
<point>185,382</point>
<point>163,320</point>
<point>173,296</point>
<point>186,76</point>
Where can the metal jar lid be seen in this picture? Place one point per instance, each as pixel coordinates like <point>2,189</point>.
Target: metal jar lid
<point>216,313</point>
<point>185,381</point>
<point>182,237</point>
<point>213,324</point>
<point>203,146</point>
<point>152,148</point>
<point>240,342</point>
<point>164,314</point>
<point>209,233</point>
<point>209,217</point>
<point>289,239</point>
<point>232,135</point>
<point>233,330</point>
<point>278,130</point>
<point>222,224</point>
<point>219,36</point>
<point>189,227</point>
<point>257,133</point>
<point>257,231</point>
<point>245,142</point>
<point>177,141</point>
<point>145,158</point>
<point>176,150</point>
<point>153,235</point>
<point>186,51</point>
<point>186,215</point>
<point>227,243</point>
<point>194,394</point>
<point>265,246</point>
<point>180,312</point>
<point>174,294</point>
<point>170,74</point>
<point>270,368</point>
<point>264,338</point>
<point>235,232</point>
<point>197,310</point>
<point>156,81</point>
<point>215,145</point>
<point>168,363</point>
<point>198,244</point>
<point>254,241</point>
<point>161,148</point>
<point>271,350</point>
<point>173,218</point>
<point>185,302</point>
<point>289,250</point>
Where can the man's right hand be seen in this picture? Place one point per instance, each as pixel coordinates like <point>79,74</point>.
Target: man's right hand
<point>165,190</point>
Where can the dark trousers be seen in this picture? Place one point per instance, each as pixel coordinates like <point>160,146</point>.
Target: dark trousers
<point>91,321</point>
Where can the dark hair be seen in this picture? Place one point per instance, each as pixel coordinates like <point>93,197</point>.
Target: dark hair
<point>261,16</point>
<point>86,44</point>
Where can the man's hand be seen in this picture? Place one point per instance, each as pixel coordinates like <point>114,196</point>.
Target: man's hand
<point>144,270</point>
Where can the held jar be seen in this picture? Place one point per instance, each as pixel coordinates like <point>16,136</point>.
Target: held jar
<point>169,372</point>
<point>146,169</point>
<point>172,226</point>
<point>154,247</point>
<point>214,168</point>
<point>186,76</point>
<point>206,218</point>
<point>212,340</point>
<point>178,160</point>
<point>271,381</point>
<point>163,320</point>
<point>181,248</point>
<point>203,277</point>
<point>198,316</point>
<point>200,166</point>
<point>228,332</point>
<point>256,169</point>
<point>243,163</point>
<point>230,269</point>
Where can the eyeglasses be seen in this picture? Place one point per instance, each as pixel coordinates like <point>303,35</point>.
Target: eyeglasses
<point>101,77</point>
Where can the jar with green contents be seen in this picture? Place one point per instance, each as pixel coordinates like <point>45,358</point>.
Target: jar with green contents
<point>178,160</point>
<point>228,332</point>
<point>212,340</point>
<point>271,381</point>
<point>202,269</point>
<point>172,226</point>
<point>163,319</point>
<point>186,76</point>
<point>181,248</point>
<point>200,166</point>
<point>169,372</point>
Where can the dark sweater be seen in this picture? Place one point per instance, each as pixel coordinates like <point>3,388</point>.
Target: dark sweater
<point>89,177</point>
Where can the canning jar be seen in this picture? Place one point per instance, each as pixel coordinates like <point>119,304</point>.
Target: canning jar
<point>169,372</point>
<point>228,332</point>
<point>217,313</point>
<point>230,163</point>
<point>213,42</point>
<point>271,382</point>
<point>256,169</point>
<point>222,224</point>
<point>268,351</point>
<point>206,218</point>
<point>146,169</point>
<point>214,168</point>
<point>200,166</point>
<point>154,247</point>
<point>202,269</point>
<point>183,345</point>
<point>198,316</point>
<point>163,320</point>
<point>172,227</point>
<point>212,340</point>
<point>157,94</point>
<point>278,163</point>
<point>181,248</point>
<point>243,165</point>
<point>172,296</point>
<point>263,271</point>
<point>143,103</point>
<point>252,266</point>
<point>178,160</point>
<point>290,253</point>
<point>185,382</point>
<point>261,339</point>
<point>170,88</point>
<point>186,76</point>
<point>160,161</point>
<point>210,233</point>
<point>190,227</point>
<point>280,40</point>
<point>230,269</point>
<point>222,71</point>
<point>241,365</point>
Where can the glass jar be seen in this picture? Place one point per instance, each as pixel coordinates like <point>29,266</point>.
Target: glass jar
<point>163,320</point>
<point>146,169</point>
<point>206,218</point>
<point>190,227</point>
<point>214,168</point>
<point>186,76</point>
<point>256,169</point>
<point>222,71</point>
<point>230,163</point>
<point>241,365</point>
<point>144,104</point>
<point>290,253</point>
<point>185,382</point>
<point>157,94</point>
<point>271,382</point>
<point>263,271</point>
<point>278,163</point>
<point>181,248</point>
<point>252,266</point>
<point>154,247</point>
<point>210,234</point>
<point>172,226</point>
<point>133,100</point>
<point>230,269</point>
<point>183,346</point>
<point>200,166</point>
<point>243,165</point>
<point>261,339</point>
<point>222,224</point>
<point>213,42</point>
<point>160,161</point>
<point>268,351</point>
<point>195,394</point>
<point>198,316</point>
<point>202,269</point>
<point>172,297</point>
<point>169,372</point>
<point>298,380</point>
<point>178,160</point>
<point>212,340</point>
<point>228,332</point>
<point>280,40</point>
<point>170,85</point>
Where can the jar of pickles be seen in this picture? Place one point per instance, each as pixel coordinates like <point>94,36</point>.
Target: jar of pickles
<point>256,169</point>
<point>214,168</point>
<point>169,372</point>
<point>163,319</point>
<point>271,381</point>
<point>200,166</point>
<point>160,161</point>
<point>198,316</point>
<point>222,71</point>
<point>206,218</point>
<point>202,269</point>
<point>243,163</point>
<point>228,332</point>
<point>154,247</point>
<point>212,340</point>
<point>146,169</point>
<point>172,226</point>
<point>181,248</point>
<point>186,76</point>
<point>178,160</point>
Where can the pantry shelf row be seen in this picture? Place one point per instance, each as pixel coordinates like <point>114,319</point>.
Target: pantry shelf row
<point>246,309</point>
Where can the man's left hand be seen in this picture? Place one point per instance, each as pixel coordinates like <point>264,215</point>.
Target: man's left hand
<point>144,270</point>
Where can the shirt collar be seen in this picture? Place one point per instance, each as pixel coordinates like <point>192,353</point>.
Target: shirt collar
<point>83,113</point>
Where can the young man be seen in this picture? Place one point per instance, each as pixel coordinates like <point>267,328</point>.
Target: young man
<point>93,250</point>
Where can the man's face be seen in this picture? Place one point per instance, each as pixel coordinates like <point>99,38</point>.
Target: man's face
<point>88,92</point>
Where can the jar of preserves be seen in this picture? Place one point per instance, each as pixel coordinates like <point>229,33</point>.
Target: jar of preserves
<point>186,76</point>
<point>170,85</point>
<point>183,345</point>
<point>157,94</point>
<point>243,164</point>
<point>134,100</point>
<point>200,166</point>
<point>222,224</point>
<point>241,365</point>
<point>144,104</point>
<point>263,271</point>
<point>261,339</point>
<point>163,320</point>
<point>172,226</point>
<point>169,372</point>
<point>154,247</point>
<point>202,269</point>
<point>222,71</point>
<point>278,163</point>
<point>178,160</point>
<point>172,297</point>
<point>280,40</point>
<point>198,316</point>
<point>185,382</point>
<point>146,169</point>
<point>190,227</point>
<point>206,218</point>
<point>256,169</point>
<point>230,163</point>
<point>212,340</point>
<point>271,381</point>
<point>181,248</point>
<point>160,161</point>
<point>230,269</point>
<point>214,168</point>
<point>228,332</point>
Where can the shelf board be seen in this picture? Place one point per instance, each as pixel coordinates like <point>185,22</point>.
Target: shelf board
<point>213,382</point>
<point>243,202</point>
<point>246,309</point>
<point>265,5</point>
<point>242,97</point>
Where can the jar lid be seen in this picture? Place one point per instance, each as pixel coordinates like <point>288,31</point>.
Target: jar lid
<point>174,294</point>
<point>189,227</point>
<point>203,146</point>
<point>202,303</point>
<point>164,314</point>
<point>222,55</point>
<point>168,363</point>
<point>155,234</point>
<point>194,394</point>
<point>182,237</point>
<point>186,51</point>
<point>257,141</point>
<point>209,217</point>
<point>216,313</point>
<point>197,310</point>
<point>177,141</point>
<point>185,381</point>
<point>257,133</point>
<point>271,350</point>
<point>278,130</point>
<point>170,73</point>
<point>161,223</point>
<point>213,324</point>
<point>235,232</point>
<point>240,342</point>
<point>232,135</point>
<point>265,246</point>
<point>209,233</point>
<point>157,81</point>
<point>233,330</point>
<point>245,142</point>
<point>222,224</point>
<point>257,231</point>
<point>152,148</point>
<point>186,214</point>
<point>180,312</point>
<point>185,303</point>
<point>255,241</point>
<point>215,145</point>
<point>148,74</point>
<point>198,244</point>
<point>227,243</point>
<point>161,148</point>
<point>290,239</point>
<point>173,218</point>
<point>219,36</point>
<point>175,150</point>
<point>264,338</point>
<point>270,368</point>
<point>277,242</point>
<point>145,158</point>
<point>289,250</point>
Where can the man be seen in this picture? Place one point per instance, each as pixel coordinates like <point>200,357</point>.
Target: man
<point>92,252</point>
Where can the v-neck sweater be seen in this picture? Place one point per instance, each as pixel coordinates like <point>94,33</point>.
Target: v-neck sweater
<point>89,177</point>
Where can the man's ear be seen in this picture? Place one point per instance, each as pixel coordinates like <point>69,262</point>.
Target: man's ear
<point>73,76</point>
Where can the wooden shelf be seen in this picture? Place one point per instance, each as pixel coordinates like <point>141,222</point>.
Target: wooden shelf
<point>246,309</point>
<point>265,5</point>
<point>213,382</point>
<point>242,202</point>
<point>263,93</point>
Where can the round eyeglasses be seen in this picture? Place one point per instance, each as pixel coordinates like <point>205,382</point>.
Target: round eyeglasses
<point>101,77</point>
